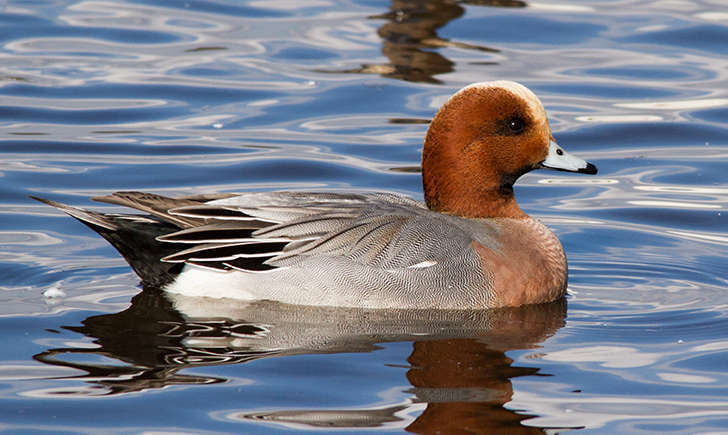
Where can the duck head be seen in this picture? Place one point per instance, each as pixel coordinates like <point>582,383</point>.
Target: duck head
<point>478,144</point>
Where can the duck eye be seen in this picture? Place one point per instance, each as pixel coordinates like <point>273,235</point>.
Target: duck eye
<point>516,125</point>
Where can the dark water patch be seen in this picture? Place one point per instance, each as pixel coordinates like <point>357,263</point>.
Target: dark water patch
<point>718,116</point>
<point>28,330</point>
<point>670,322</point>
<point>611,91</point>
<point>142,92</point>
<point>18,275</point>
<point>709,362</point>
<point>699,173</point>
<point>283,170</point>
<point>300,53</point>
<point>217,7</point>
<point>19,26</point>
<point>649,266</point>
<point>204,72</point>
<point>339,100</point>
<point>402,153</point>
<point>509,28</point>
<point>377,98</point>
<point>646,72</point>
<point>112,148</point>
<point>203,49</point>
<point>86,117</point>
<point>645,134</point>
<point>121,176</point>
<point>668,216</point>
<point>704,37</point>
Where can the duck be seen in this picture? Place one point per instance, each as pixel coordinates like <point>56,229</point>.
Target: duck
<point>467,246</point>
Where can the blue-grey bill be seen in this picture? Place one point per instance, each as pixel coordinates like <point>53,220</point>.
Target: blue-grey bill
<point>560,160</point>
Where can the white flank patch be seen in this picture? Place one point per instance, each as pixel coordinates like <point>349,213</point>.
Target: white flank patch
<point>198,280</point>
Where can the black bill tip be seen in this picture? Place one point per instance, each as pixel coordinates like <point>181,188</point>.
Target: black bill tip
<point>590,169</point>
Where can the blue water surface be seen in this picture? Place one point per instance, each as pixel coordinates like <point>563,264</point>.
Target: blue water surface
<point>221,96</point>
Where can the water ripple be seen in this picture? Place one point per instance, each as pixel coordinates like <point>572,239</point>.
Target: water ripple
<point>202,96</point>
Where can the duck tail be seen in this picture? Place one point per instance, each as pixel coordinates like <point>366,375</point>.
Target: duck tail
<point>90,218</point>
<point>134,236</point>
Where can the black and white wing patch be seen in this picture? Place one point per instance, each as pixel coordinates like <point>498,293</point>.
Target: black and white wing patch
<point>263,231</point>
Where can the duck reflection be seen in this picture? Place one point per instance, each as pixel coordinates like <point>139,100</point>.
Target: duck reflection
<point>458,368</point>
<point>409,37</point>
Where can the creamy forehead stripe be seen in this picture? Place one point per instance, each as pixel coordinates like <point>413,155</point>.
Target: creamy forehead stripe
<point>534,104</point>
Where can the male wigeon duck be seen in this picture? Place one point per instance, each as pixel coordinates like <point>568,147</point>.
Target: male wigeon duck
<point>468,246</point>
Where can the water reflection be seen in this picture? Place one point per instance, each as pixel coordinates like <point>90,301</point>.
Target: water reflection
<point>409,37</point>
<point>458,369</point>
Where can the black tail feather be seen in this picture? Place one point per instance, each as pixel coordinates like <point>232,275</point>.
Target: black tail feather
<point>134,236</point>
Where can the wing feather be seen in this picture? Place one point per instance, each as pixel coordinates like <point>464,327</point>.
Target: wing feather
<point>227,251</point>
<point>216,232</point>
<point>371,247</point>
<point>262,231</point>
<point>307,226</point>
<point>215,212</point>
<point>155,205</point>
<point>332,243</point>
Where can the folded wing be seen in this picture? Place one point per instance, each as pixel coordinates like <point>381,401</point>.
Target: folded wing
<point>258,232</point>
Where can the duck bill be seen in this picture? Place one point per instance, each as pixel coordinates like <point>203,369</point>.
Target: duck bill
<point>560,160</point>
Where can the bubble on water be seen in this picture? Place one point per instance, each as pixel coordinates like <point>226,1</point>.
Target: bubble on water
<point>54,292</point>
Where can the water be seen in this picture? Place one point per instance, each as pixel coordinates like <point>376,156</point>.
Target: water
<point>191,97</point>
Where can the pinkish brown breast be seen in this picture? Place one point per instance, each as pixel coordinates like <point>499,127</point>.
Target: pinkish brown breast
<point>529,266</point>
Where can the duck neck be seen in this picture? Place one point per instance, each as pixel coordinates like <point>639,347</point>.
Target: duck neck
<point>454,192</point>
